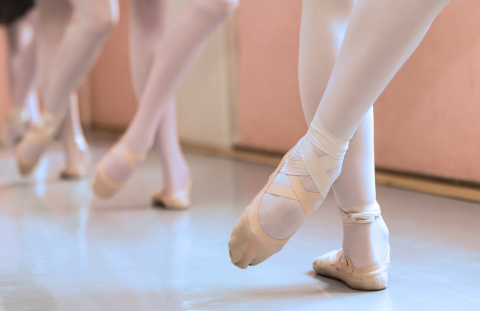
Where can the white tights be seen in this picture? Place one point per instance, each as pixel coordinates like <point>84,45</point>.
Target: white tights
<point>160,58</point>
<point>148,24</point>
<point>323,27</point>
<point>177,51</point>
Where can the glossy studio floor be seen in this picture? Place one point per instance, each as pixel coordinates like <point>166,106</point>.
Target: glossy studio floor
<point>63,249</point>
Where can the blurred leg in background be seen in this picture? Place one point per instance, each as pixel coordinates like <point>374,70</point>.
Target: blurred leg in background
<point>176,53</point>
<point>147,26</point>
<point>89,24</point>
<point>54,17</point>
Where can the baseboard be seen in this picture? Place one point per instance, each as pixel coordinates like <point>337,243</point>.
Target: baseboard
<point>450,188</point>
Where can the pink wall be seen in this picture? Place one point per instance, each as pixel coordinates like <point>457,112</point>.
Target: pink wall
<point>270,113</point>
<point>112,97</point>
<point>5,97</point>
<point>427,118</point>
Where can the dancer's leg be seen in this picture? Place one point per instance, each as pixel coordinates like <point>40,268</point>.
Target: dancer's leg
<point>75,147</point>
<point>176,53</point>
<point>21,57</point>
<point>147,26</point>
<point>379,38</point>
<point>148,21</point>
<point>85,27</point>
<point>21,69</point>
<point>176,189</point>
<point>55,16</point>
<point>91,23</point>
<point>322,31</point>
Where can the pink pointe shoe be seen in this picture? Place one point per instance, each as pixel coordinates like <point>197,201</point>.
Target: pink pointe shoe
<point>338,266</point>
<point>102,185</point>
<point>31,148</point>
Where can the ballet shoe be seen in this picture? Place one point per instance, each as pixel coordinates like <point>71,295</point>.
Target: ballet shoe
<point>178,200</point>
<point>35,142</point>
<point>102,185</point>
<point>249,245</point>
<point>79,168</point>
<point>337,265</point>
<point>12,130</point>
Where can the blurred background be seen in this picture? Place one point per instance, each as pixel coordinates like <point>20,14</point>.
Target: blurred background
<point>243,93</point>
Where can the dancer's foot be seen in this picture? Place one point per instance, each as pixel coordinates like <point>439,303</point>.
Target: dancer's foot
<point>114,170</point>
<point>363,262</point>
<point>77,158</point>
<point>33,144</point>
<point>293,192</point>
<point>339,266</point>
<point>176,200</point>
<point>16,122</point>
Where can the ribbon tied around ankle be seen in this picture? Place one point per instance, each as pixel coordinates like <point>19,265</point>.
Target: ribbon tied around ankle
<point>360,214</point>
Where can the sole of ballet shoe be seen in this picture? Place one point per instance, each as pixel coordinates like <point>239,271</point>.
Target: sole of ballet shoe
<point>177,201</point>
<point>72,174</point>
<point>338,266</point>
<point>249,245</point>
<point>162,204</point>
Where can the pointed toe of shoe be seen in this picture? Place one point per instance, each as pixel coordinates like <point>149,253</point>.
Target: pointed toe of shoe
<point>24,166</point>
<point>249,249</point>
<point>103,188</point>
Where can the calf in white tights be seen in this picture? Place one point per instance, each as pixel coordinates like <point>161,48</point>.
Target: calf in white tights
<point>379,38</point>
<point>161,58</point>
<point>70,41</point>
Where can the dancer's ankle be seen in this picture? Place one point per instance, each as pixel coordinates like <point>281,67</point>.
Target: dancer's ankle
<point>177,181</point>
<point>366,244</point>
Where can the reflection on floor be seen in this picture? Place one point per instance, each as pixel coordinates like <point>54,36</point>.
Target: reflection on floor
<point>63,249</point>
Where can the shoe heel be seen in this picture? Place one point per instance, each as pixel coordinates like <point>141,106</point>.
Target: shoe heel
<point>378,282</point>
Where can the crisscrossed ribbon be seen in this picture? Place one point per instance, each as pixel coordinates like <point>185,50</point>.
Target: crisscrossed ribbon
<point>311,164</point>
